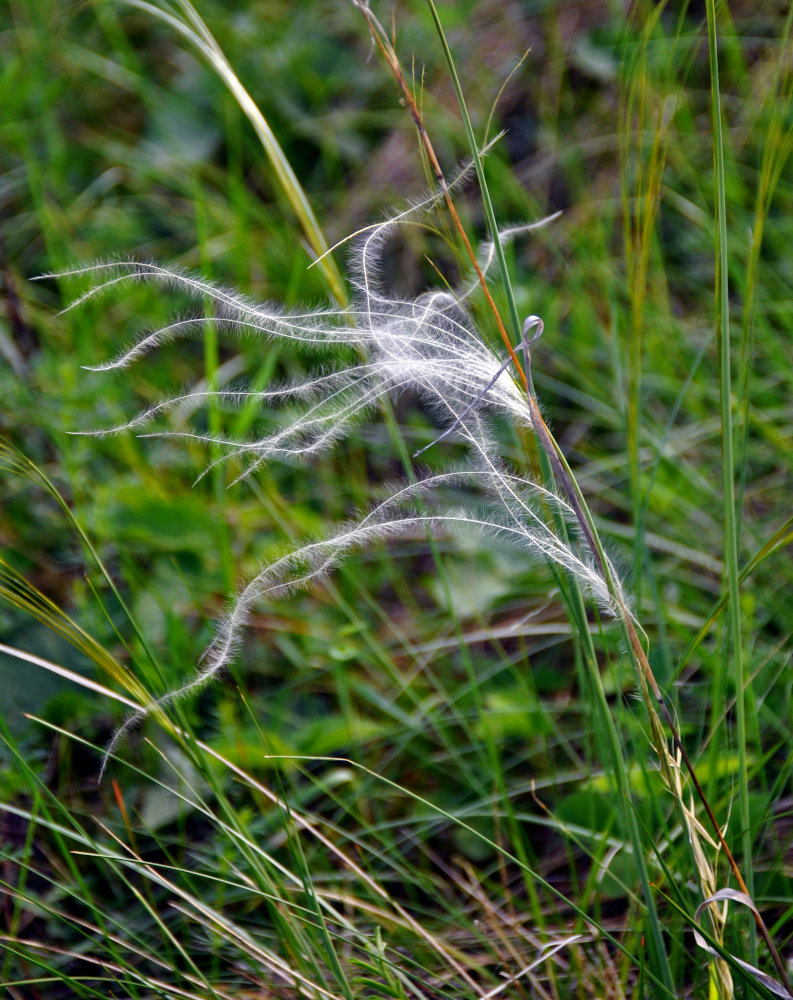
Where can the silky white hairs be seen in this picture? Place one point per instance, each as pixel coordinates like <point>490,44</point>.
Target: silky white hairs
<point>429,345</point>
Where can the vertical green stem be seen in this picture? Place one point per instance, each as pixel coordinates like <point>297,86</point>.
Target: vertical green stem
<point>728,461</point>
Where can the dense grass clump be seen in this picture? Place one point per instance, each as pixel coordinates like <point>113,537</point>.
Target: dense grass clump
<point>417,654</point>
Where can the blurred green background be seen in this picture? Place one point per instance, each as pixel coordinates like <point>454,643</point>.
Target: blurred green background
<point>118,141</point>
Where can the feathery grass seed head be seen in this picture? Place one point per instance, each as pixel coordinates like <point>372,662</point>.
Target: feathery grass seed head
<point>428,345</point>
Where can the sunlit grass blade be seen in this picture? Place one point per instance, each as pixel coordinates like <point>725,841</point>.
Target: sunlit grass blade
<point>186,21</point>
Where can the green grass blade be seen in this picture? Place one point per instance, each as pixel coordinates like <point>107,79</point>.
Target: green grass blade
<point>196,32</point>
<point>740,681</point>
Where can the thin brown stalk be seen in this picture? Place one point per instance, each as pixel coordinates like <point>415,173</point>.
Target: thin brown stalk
<point>390,56</point>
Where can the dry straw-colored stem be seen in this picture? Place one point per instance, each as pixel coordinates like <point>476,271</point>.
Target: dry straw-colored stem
<point>641,658</point>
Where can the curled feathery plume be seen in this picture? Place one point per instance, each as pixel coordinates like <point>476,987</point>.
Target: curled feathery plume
<point>428,345</point>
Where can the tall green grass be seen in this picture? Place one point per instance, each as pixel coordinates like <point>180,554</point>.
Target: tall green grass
<point>428,775</point>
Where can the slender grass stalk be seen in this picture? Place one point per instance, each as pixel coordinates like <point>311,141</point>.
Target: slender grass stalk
<point>740,679</point>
